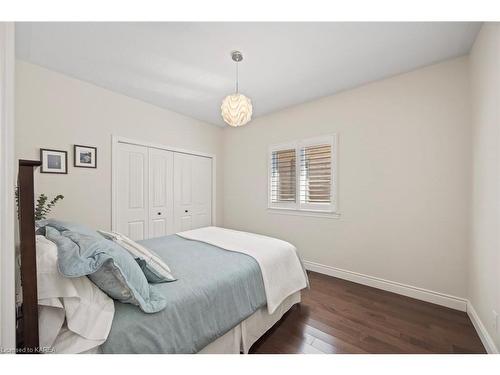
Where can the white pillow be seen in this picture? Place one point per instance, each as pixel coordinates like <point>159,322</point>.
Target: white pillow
<point>74,314</point>
<point>154,268</point>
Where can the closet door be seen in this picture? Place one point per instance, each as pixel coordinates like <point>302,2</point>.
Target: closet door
<point>161,195</point>
<point>192,192</point>
<point>132,191</point>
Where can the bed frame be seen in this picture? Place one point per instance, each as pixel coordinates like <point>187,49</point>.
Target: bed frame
<point>27,331</point>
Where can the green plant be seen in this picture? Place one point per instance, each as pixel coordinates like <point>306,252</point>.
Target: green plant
<point>42,208</point>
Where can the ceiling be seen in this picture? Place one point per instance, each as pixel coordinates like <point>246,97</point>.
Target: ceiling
<point>186,67</point>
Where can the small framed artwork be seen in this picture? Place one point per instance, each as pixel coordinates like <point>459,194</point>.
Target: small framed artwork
<point>54,161</point>
<point>85,156</point>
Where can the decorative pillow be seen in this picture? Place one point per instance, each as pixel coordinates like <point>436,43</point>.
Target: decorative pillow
<point>154,268</point>
<point>64,225</point>
<point>109,266</point>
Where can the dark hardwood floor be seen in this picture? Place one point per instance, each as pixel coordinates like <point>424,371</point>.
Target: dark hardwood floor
<point>338,316</point>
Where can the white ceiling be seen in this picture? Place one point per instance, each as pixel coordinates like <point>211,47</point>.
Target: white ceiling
<point>186,67</point>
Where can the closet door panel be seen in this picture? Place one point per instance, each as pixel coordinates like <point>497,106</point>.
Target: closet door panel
<point>131,190</point>
<point>202,192</point>
<point>192,192</point>
<point>186,181</point>
<point>161,166</point>
<point>182,192</point>
<point>136,230</point>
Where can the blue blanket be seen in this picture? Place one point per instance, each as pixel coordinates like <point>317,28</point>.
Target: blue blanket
<point>216,290</point>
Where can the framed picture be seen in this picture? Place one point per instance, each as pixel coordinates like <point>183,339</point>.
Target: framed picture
<point>53,161</point>
<point>85,156</point>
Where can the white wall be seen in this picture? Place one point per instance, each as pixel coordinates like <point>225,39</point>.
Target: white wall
<point>55,111</point>
<point>7,279</point>
<point>484,276</point>
<point>404,178</point>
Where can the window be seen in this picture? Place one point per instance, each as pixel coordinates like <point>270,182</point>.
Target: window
<point>283,177</point>
<point>302,175</point>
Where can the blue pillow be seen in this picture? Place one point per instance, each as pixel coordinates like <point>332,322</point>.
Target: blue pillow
<point>109,266</point>
<point>64,225</point>
<point>152,274</point>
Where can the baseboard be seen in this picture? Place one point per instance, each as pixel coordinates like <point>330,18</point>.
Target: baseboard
<point>485,337</point>
<point>442,299</point>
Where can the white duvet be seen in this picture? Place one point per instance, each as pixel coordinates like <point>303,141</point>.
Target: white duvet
<point>281,268</point>
<point>74,314</point>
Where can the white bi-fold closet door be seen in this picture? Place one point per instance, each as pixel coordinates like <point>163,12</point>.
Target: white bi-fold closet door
<point>160,192</point>
<point>192,191</point>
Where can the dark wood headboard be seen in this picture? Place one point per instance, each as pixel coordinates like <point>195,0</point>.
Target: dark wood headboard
<point>28,331</point>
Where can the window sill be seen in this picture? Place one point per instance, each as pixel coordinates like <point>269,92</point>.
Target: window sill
<point>307,213</point>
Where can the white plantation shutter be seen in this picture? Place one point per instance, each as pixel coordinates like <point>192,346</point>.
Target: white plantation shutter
<point>302,175</point>
<point>283,176</point>
<point>315,183</point>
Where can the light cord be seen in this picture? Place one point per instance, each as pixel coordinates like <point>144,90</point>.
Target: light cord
<point>237,77</point>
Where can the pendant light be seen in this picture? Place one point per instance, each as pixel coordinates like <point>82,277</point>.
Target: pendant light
<point>236,109</point>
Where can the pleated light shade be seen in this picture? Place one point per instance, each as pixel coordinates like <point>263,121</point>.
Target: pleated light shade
<point>236,109</point>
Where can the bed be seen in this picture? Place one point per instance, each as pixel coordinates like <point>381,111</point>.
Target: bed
<point>225,297</point>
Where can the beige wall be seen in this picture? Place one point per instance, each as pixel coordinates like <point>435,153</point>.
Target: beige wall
<point>55,111</point>
<point>484,276</point>
<point>404,178</point>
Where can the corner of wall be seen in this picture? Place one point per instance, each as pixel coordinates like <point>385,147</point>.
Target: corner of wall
<point>483,273</point>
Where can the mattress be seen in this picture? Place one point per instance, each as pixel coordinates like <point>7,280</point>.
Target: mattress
<point>216,290</point>
<point>244,335</point>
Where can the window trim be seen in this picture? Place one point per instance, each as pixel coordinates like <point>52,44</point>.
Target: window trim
<point>309,209</point>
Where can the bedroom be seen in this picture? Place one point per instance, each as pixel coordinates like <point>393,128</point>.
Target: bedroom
<point>262,187</point>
